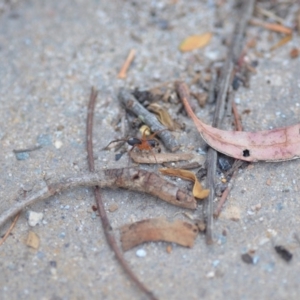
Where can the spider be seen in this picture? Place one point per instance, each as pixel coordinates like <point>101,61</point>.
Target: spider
<point>143,143</point>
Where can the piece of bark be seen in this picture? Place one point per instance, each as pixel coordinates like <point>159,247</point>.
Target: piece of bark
<point>158,229</point>
<point>148,158</point>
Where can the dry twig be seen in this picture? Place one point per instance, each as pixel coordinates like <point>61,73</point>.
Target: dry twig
<point>224,83</point>
<point>148,118</point>
<point>102,213</point>
<point>9,230</point>
<point>123,72</point>
<point>128,178</point>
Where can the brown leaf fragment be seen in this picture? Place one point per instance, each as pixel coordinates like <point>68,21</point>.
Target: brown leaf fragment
<point>195,41</point>
<point>282,42</point>
<point>158,229</point>
<point>162,115</point>
<point>278,144</point>
<point>33,240</point>
<point>198,191</point>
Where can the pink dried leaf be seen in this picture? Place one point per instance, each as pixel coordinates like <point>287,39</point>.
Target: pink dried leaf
<point>271,145</point>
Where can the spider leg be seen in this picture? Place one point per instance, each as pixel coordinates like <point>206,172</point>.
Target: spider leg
<point>153,155</point>
<point>114,141</point>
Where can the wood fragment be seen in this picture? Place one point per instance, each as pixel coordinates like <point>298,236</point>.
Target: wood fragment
<point>9,230</point>
<point>145,158</point>
<point>272,26</point>
<point>158,229</point>
<point>123,72</point>
<point>269,14</point>
<point>148,118</point>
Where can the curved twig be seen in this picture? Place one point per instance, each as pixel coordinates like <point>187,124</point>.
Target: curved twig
<point>102,213</point>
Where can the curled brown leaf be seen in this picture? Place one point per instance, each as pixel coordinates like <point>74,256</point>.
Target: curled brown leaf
<point>198,191</point>
<point>158,229</point>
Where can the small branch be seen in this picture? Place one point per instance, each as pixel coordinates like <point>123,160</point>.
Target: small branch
<point>237,122</point>
<point>123,72</point>
<point>142,158</point>
<point>128,178</point>
<point>102,213</point>
<point>148,118</point>
<point>233,56</point>
<point>9,230</point>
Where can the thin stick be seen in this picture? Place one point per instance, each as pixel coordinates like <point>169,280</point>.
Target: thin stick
<point>237,163</point>
<point>272,26</point>
<point>27,149</point>
<point>233,56</point>
<point>148,118</point>
<point>123,72</point>
<point>9,230</point>
<point>102,213</point>
<point>238,124</point>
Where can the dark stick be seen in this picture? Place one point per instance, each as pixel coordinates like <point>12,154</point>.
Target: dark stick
<point>148,118</point>
<point>225,79</point>
<point>102,213</point>
<point>27,149</point>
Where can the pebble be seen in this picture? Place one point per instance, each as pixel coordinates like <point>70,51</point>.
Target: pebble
<point>34,218</point>
<point>58,144</point>
<point>210,274</point>
<point>141,253</point>
<point>22,155</point>
<point>113,207</point>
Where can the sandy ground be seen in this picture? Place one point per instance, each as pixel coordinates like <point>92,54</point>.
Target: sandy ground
<point>51,53</point>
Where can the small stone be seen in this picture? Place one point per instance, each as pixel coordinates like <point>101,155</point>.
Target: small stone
<point>271,233</point>
<point>210,274</point>
<point>34,218</point>
<point>113,207</point>
<point>58,144</point>
<point>22,155</point>
<point>141,253</point>
<point>33,240</point>
<point>247,258</point>
<point>233,213</point>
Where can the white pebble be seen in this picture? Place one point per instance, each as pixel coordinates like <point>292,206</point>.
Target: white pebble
<point>34,218</point>
<point>141,253</point>
<point>210,274</point>
<point>58,144</point>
